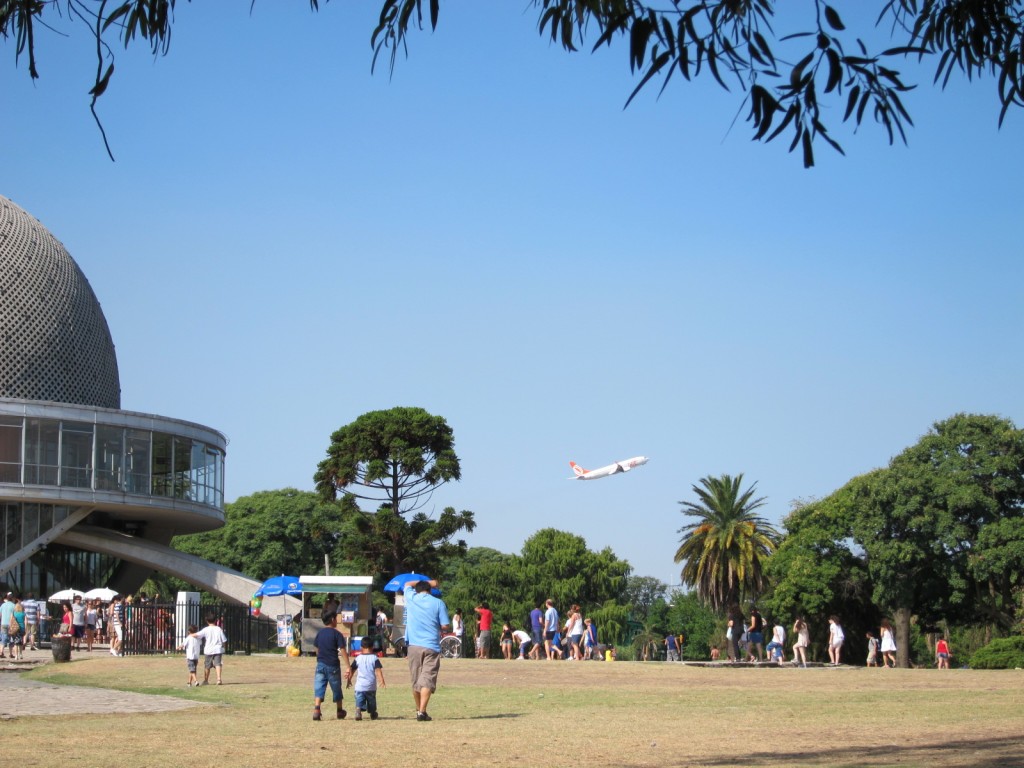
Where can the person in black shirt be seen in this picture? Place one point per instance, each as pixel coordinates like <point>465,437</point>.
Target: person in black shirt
<point>331,657</point>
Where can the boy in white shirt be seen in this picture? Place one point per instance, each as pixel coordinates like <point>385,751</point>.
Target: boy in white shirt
<point>213,638</point>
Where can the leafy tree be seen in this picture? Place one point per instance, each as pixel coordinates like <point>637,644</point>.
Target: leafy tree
<point>818,570</point>
<point>612,621</point>
<point>386,543</point>
<point>553,564</point>
<point>701,627</point>
<point>970,470</point>
<point>271,532</point>
<point>723,553</point>
<point>395,458</point>
<point>795,72</point>
<point>559,565</point>
<point>646,643</point>
<point>642,592</point>
<point>934,532</point>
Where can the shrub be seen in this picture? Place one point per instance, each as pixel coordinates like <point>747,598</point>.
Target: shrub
<point>1001,653</point>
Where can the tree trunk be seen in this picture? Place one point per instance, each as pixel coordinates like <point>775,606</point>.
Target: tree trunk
<point>901,620</point>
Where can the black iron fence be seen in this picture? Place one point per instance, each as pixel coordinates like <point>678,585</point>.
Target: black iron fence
<point>150,628</point>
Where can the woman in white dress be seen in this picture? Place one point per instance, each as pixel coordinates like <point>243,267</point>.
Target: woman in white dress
<point>888,647</point>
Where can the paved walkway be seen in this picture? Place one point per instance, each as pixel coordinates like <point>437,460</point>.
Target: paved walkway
<point>21,697</point>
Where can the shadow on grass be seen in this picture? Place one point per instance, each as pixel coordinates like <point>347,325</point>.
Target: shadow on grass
<point>972,753</point>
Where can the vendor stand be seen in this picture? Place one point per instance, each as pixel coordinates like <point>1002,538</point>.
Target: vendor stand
<point>355,613</point>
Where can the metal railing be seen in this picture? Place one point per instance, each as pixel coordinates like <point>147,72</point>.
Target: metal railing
<point>151,628</point>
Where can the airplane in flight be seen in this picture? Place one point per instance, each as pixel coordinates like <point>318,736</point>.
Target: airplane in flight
<point>611,469</point>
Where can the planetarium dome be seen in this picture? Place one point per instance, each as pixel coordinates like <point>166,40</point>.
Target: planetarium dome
<point>89,493</point>
<point>55,345</point>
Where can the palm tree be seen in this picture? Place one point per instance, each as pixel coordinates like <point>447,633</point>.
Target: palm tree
<point>723,552</point>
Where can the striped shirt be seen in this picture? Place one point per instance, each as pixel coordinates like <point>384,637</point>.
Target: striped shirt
<point>31,611</point>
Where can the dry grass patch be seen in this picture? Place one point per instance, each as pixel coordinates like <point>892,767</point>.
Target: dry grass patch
<point>594,714</point>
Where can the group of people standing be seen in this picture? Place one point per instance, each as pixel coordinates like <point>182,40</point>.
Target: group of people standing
<point>549,637</point>
<point>25,622</point>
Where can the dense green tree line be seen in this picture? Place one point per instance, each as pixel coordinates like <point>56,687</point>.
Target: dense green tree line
<point>934,541</point>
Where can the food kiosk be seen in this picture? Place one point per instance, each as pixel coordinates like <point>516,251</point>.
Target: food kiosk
<point>355,613</point>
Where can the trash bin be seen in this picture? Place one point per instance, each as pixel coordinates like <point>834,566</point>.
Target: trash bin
<point>61,647</point>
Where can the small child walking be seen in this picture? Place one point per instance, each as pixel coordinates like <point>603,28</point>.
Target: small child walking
<point>369,672</point>
<point>191,648</point>
<point>872,650</point>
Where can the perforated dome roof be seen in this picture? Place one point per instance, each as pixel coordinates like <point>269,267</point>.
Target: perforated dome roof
<point>54,341</point>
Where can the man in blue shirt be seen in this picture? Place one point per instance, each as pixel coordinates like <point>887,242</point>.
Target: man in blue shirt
<point>6,612</point>
<point>425,618</point>
<point>536,632</point>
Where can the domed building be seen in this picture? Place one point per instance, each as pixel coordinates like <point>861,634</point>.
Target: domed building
<point>90,495</point>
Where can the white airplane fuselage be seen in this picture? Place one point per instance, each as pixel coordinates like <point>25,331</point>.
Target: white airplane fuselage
<point>612,469</point>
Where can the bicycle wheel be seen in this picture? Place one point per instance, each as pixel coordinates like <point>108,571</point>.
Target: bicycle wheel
<point>451,648</point>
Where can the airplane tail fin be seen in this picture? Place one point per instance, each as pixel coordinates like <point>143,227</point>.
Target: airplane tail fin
<point>577,469</point>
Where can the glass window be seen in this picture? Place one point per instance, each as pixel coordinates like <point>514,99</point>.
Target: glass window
<point>41,441</point>
<point>109,458</point>
<point>199,476</point>
<point>162,485</point>
<point>10,449</point>
<point>182,464</point>
<point>30,523</point>
<point>137,442</point>
<point>217,462</point>
<point>76,454</point>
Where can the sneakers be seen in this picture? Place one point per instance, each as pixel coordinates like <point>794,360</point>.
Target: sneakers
<point>423,717</point>
<point>341,714</point>
<point>359,714</point>
<point>373,715</point>
<point>317,715</point>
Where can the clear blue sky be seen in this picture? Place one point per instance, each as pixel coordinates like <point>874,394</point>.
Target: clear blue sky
<point>287,241</point>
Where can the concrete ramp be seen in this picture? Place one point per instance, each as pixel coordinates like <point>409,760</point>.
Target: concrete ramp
<point>225,583</point>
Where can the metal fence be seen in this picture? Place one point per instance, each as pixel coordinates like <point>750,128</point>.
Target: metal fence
<point>151,628</point>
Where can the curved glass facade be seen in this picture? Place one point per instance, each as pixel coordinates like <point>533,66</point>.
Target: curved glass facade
<point>64,465</point>
<point>127,453</point>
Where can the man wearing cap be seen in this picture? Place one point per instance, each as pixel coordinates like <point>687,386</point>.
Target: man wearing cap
<point>426,617</point>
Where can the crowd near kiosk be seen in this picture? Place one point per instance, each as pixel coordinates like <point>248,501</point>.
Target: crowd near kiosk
<point>355,612</point>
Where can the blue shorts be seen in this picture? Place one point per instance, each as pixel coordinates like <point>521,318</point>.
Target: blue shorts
<point>324,676</point>
<point>366,701</point>
<point>757,638</point>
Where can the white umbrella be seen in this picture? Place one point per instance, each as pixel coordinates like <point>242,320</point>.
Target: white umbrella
<point>106,594</point>
<point>65,594</point>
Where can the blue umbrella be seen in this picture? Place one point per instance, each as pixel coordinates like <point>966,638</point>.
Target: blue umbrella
<point>397,584</point>
<point>279,585</point>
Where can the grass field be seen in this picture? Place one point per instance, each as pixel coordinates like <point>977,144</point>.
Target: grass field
<point>490,713</point>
